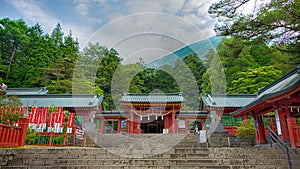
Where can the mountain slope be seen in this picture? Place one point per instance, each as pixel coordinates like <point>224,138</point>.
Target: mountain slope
<point>200,48</point>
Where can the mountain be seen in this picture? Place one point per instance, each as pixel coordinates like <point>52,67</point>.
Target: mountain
<point>200,48</point>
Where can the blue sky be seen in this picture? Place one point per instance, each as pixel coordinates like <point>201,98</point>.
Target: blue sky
<point>135,28</point>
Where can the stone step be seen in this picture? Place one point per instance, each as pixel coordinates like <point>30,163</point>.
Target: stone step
<point>148,167</point>
<point>145,151</point>
<point>118,167</point>
<point>179,160</point>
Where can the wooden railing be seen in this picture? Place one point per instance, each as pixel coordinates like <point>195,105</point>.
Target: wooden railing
<point>13,136</point>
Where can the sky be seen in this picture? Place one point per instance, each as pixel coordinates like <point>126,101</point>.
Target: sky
<point>135,28</point>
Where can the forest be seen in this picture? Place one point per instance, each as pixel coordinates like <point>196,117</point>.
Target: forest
<point>255,50</point>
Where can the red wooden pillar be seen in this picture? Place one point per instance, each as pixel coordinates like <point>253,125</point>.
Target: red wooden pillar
<point>287,111</point>
<point>291,122</point>
<point>119,126</point>
<point>203,124</point>
<point>260,133</point>
<point>101,131</point>
<point>131,123</point>
<point>173,123</point>
<point>137,125</point>
<point>283,125</point>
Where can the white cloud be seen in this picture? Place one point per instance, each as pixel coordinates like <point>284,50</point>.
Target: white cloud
<point>154,27</point>
<point>33,13</point>
<point>145,33</point>
<point>166,25</point>
<point>82,8</point>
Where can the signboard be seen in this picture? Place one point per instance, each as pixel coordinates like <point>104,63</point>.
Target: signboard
<point>202,136</point>
<point>277,122</point>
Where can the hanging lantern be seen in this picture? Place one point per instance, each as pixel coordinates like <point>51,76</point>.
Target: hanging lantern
<point>155,117</point>
<point>148,117</point>
<point>141,118</point>
<point>162,117</point>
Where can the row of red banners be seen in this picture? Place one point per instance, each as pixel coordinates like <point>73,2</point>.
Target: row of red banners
<point>39,120</point>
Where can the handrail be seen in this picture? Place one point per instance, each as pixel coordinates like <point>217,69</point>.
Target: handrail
<point>276,142</point>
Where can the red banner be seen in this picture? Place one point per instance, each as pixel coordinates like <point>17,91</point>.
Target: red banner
<point>51,122</point>
<point>38,117</point>
<point>70,120</point>
<point>46,110</point>
<point>33,114</point>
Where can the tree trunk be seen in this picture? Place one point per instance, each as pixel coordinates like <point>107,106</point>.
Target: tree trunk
<point>11,59</point>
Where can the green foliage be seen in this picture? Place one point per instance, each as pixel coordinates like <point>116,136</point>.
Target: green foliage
<point>30,58</point>
<point>9,109</point>
<point>276,20</point>
<point>31,136</point>
<point>246,130</point>
<point>253,79</point>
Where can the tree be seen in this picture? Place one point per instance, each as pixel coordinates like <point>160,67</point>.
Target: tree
<point>276,20</point>
<point>214,79</point>
<point>105,72</point>
<point>85,72</point>
<point>253,79</point>
<point>197,67</point>
<point>13,38</point>
<point>60,73</point>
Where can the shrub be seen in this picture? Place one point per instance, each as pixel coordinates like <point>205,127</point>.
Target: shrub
<point>30,136</point>
<point>246,130</point>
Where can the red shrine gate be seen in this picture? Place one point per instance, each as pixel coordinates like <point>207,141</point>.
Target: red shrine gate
<point>143,113</point>
<point>153,113</point>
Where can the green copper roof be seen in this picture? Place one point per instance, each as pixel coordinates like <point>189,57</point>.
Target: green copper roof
<point>282,85</point>
<point>229,100</point>
<point>152,98</point>
<point>26,91</point>
<point>64,100</point>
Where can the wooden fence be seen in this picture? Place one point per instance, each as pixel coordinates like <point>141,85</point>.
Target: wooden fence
<point>13,136</point>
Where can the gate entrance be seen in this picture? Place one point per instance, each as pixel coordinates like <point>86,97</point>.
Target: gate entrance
<point>152,125</point>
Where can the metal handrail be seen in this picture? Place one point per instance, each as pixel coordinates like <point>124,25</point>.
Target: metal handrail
<point>276,142</point>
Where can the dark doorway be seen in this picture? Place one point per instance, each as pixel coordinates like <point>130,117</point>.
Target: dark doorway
<point>152,124</point>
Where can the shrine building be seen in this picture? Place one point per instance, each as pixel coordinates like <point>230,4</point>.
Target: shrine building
<point>81,104</point>
<point>222,105</point>
<point>282,97</point>
<point>142,113</point>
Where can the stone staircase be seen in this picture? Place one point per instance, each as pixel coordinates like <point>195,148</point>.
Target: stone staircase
<point>143,151</point>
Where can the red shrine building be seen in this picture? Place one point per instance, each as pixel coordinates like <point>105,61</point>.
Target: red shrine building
<point>162,112</point>
<point>142,113</point>
<point>81,104</point>
<point>282,97</point>
<point>222,105</point>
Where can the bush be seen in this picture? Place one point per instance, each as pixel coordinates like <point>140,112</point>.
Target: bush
<point>30,136</point>
<point>9,109</point>
<point>246,130</point>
